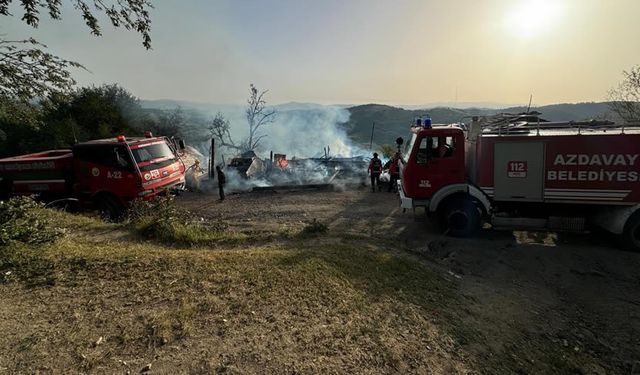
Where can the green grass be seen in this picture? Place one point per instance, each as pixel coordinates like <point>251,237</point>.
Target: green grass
<point>185,233</point>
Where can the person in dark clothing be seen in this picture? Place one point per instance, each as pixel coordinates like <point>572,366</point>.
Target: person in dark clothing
<point>394,173</point>
<point>375,169</point>
<point>221,181</point>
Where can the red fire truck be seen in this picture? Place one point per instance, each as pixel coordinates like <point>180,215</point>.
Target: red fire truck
<point>106,174</point>
<point>526,174</point>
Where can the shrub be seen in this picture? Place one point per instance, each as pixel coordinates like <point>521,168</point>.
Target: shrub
<point>314,228</point>
<point>162,220</point>
<point>24,220</point>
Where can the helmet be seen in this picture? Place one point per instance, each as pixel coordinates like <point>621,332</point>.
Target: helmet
<point>375,154</point>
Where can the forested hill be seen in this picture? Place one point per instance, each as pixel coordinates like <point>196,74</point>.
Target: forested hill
<point>391,122</point>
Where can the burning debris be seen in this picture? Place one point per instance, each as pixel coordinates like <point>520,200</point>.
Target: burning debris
<point>278,170</point>
<point>296,129</point>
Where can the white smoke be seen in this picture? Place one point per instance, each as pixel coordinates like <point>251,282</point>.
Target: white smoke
<point>305,131</point>
<point>299,131</point>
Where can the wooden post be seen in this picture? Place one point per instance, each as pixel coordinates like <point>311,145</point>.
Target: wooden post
<point>373,127</point>
<point>212,159</point>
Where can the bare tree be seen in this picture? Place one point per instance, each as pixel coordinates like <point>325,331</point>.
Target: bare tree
<point>625,99</point>
<point>219,129</point>
<point>27,70</point>
<point>257,116</point>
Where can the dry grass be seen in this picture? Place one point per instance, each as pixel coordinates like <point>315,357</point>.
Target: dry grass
<point>112,298</point>
<point>91,303</point>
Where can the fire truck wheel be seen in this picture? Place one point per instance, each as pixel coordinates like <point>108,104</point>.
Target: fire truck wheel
<point>631,234</point>
<point>109,207</point>
<point>5,189</point>
<point>460,218</point>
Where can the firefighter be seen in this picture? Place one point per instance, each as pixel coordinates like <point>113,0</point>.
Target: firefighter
<point>221,181</point>
<point>394,172</point>
<point>375,168</point>
<point>193,174</point>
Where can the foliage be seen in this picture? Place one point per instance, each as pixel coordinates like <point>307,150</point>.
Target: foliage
<point>162,221</point>
<point>625,99</point>
<point>27,70</point>
<point>99,112</point>
<point>167,123</point>
<point>20,124</point>
<point>314,228</point>
<point>62,120</point>
<point>83,114</point>
<point>23,220</point>
<point>130,14</point>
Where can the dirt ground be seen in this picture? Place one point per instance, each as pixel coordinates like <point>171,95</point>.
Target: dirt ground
<point>530,297</point>
<point>380,291</point>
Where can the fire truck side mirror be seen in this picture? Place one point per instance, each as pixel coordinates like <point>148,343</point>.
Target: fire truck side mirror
<point>181,144</point>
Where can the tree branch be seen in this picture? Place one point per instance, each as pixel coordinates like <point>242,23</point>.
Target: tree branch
<point>27,70</point>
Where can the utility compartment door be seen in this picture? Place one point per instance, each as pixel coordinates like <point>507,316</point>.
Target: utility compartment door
<point>518,171</point>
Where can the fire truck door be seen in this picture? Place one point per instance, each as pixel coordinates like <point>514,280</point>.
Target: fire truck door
<point>440,163</point>
<point>518,171</point>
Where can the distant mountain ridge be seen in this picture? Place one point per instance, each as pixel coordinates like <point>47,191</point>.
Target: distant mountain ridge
<point>391,122</point>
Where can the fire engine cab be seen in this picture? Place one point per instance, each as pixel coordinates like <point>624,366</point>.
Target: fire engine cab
<point>521,172</point>
<point>106,173</point>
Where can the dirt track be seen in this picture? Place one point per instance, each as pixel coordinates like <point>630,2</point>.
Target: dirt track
<point>531,296</point>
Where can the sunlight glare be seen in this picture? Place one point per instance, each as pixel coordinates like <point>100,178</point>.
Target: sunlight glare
<point>532,18</point>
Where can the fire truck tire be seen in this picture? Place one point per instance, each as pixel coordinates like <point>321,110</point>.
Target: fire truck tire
<point>631,234</point>
<point>5,189</point>
<point>109,207</point>
<point>460,217</point>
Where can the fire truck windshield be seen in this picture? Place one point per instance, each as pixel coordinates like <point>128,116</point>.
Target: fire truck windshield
<point>409,146</point>
<point>146,156</point>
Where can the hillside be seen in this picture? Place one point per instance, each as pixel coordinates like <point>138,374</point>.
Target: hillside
<point>391,122</point>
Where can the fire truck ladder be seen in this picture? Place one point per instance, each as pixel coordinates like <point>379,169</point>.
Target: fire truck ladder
<point>527,123</point>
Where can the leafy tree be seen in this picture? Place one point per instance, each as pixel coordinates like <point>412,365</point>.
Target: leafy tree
<point>92,112</point>
<point>20,123</point>
<point>625,99</point>
<point>27,70</point>
<point>168,123</point>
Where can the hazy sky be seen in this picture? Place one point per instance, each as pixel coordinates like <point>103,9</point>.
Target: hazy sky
<point>359,51</point>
